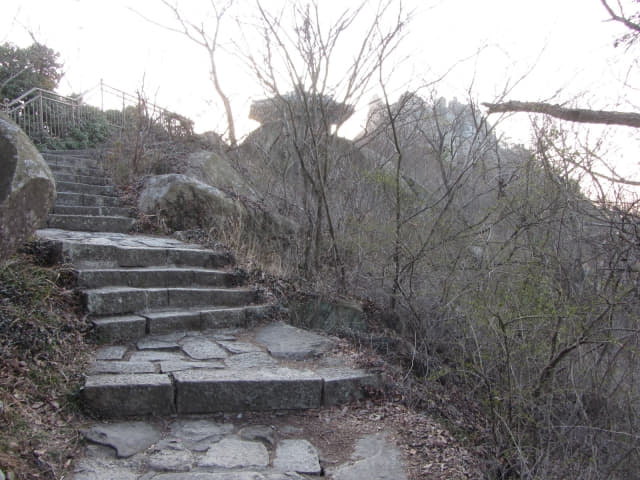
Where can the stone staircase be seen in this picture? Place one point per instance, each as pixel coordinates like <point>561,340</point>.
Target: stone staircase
<point>183,335</point>
<point>86,199</point>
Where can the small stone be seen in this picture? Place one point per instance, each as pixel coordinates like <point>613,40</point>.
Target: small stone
<point>115,352</point>
<point>234,453</point>
<point>297,456</point>
<point>128,438</point>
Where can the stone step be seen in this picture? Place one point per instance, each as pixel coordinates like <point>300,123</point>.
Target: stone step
<point>155,277</point>
<point>87,179</point>
<point>86,188</point>
<point>206,391</point>
<point>87,255</point>
<point>94,211</point>
<point>122,300</point>
<point>242,390</point>
<point>128,328</point>
<point>90,223</point>
<point>86,200</point>
<point>127,395</point>
<point>271,366</point>
<point>71,160</point>
<point>75,170</point>
<point>216,390</point>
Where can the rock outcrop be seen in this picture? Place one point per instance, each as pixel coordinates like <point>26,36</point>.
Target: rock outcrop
<point>27,187</point>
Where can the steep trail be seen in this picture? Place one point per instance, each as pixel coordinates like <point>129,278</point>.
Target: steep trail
<point>195,377</point>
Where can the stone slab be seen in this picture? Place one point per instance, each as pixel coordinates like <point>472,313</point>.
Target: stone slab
<point>170,456</point>
<point>245,475</point>
<point>90,188</point>
<point>113,249</point>
<point>156,356</point>
<point>91,470</point>
<point>344,385</point>
<point>234,390</point>
<point>250,360</point>
<point>124,300</point>
<point>223,317</point>
<point>117,366</point>
<point>203,297</point>
<point>170,366</point>
<point>129,394</point>
<point>291,343</point>
<point>163,322</point>
<point>239,347</point>
<point>261,433</point>
<point>235,453</point>
<point>153,343</point>
<point>90,223</point>
<point>127,438</point>
<point>113,352</point>
<point>94,211</point>
<point>198,435</point>
<point>297,456</point>
<point>86,200</point>
<point>86,179</point>
<point>152,277</point>
<point>200,348</point>
<point>120,328</point>
<point>375,457</point>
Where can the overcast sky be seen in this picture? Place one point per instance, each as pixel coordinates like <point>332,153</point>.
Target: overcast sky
<point>560,44</point>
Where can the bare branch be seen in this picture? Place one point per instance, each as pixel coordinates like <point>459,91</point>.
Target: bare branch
<point>579,115</point>
<point>197,33</point>
<point>620,17</point>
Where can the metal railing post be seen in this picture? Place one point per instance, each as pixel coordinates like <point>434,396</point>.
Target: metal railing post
<point>40,114</point>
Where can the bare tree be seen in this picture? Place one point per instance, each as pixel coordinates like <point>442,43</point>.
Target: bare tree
<point>207,36</point>
<point>297,62</point>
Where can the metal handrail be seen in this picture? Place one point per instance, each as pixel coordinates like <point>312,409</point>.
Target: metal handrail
<point>42,113</point>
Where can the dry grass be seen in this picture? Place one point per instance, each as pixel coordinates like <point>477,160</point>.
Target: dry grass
<point>42,356</point>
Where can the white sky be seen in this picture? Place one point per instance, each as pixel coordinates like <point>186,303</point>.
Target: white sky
<point>567,43</point>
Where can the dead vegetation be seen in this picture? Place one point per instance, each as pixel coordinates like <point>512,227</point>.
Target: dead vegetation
<point>42,356</point>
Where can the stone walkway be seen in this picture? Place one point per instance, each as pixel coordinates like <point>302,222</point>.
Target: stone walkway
<point>188,351</point>
<point>210,449</point>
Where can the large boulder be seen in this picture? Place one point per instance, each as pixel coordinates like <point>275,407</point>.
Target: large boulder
<point>214,169</point>
<point>27,187</point>
<point>183,203</point>
<point>329,316</point>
